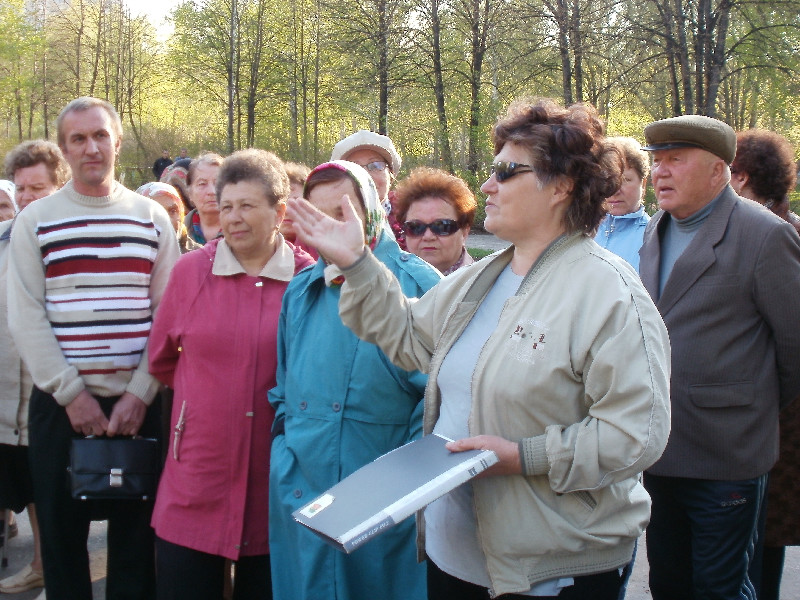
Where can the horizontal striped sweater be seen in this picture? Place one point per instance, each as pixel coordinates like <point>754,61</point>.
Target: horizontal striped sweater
<point>85,276</point>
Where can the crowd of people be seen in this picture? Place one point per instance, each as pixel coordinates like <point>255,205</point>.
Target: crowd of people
<point>277,327</point>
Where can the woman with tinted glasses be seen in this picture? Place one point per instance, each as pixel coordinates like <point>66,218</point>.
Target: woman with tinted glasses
<point>622,229</point>
<point>551,353</point>
<point>436,210</point>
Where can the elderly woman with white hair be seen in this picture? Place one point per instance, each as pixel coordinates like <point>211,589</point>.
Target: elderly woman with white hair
<point>8,206</point>
<point>170,198</point>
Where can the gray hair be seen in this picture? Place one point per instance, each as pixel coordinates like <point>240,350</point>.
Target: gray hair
<point>85,103</point>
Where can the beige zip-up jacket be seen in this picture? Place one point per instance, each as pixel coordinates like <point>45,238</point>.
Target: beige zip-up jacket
<point>15,380</point>
<point>577,371</point>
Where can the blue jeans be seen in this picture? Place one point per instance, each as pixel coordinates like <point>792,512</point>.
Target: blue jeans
<point>701,537</point>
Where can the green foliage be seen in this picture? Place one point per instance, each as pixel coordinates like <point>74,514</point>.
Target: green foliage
<point>296,77</point>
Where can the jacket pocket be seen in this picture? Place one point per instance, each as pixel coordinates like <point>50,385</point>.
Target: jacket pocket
<point>721,395</point>
<point>178,433</point>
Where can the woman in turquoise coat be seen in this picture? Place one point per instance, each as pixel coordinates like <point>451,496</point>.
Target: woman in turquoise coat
<point>340,403</point>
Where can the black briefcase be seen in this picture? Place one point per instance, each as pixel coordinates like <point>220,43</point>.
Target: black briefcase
<point>118,468</point>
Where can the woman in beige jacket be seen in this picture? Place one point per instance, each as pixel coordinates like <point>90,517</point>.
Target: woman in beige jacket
<point>38,169</point>
<point>550,353</point>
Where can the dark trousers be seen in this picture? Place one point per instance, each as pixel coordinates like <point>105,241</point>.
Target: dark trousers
<point>183,573</point>
<point>701,537</point>
<point>772,572</point>
<point>601,586</point>
<point>64,522</point>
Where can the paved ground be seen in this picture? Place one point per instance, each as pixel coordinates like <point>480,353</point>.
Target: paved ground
<point>20,551</point>
<point>486,241</point>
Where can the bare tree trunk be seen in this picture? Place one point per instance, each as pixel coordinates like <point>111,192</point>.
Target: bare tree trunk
<point>383,67</point>
<point>577,48</point>
<point>230,67</point>
<point>683,58</point>
<point>441,110</point>
<point>717,57</point>
<point>479,13</point>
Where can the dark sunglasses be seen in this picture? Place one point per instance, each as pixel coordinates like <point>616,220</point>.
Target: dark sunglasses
<point>438,227</point>
<point>504,171</point>
<point>375,165</point>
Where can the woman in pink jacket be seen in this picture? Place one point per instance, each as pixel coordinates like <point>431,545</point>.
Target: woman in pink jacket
<point>214,342</point>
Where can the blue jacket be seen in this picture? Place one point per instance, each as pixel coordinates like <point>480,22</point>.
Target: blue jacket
<point>343,404</point>
<point>623,235</point>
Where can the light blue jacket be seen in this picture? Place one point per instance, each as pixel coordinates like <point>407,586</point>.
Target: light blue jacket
<point>343,404</point>
<point>623,235</point>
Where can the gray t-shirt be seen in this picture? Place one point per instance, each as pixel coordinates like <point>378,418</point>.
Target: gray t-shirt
<point>451,525</point>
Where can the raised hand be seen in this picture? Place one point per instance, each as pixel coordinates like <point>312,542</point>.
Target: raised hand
<point>340,242</point>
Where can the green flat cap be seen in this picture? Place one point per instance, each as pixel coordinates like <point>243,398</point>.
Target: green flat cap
<point>692,131</point>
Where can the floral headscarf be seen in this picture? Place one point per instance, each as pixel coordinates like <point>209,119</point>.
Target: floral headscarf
<point>10,189</point>
<point>375,219</point>
<point>156,187</point>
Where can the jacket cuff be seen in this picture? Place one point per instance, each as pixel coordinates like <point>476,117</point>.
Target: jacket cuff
<point>143,386</point>
<point>69,392</point>
<point>363,270</point>
<point>533,453</point>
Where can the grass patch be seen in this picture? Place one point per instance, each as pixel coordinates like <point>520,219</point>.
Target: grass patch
<point>479,253</point>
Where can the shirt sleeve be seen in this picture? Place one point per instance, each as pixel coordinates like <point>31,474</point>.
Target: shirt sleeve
<point>27,316</point>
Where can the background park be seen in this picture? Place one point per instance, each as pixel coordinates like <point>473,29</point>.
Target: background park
<point>295,77</point>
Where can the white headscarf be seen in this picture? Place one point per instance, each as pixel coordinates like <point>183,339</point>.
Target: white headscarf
<point>11,190</point>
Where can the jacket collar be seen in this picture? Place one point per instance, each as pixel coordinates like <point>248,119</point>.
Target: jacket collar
<point>280,267</point>
<point>695,260</point>
<point>486,278</point>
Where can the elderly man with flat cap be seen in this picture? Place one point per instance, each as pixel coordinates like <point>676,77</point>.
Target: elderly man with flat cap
<point>725,275</point>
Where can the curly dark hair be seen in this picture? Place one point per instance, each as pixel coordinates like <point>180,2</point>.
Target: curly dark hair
<point>33,152</point>
<point>768,160</point>
<point>566,142</point>
<point>259,166</point>
<point>424,182</point>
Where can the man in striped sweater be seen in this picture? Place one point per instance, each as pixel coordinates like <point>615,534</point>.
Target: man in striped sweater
<point>88,267</point>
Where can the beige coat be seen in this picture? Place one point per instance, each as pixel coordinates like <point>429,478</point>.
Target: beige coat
<point>15,380</point>
<point>577,371</point>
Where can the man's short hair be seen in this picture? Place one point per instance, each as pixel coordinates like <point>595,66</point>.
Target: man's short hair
<point>33,152</point>
<point>85,103</point>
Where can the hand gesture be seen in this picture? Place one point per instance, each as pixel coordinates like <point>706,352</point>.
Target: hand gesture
<point>340,242</point>
<point>127,415</point>
<point>86,416</point>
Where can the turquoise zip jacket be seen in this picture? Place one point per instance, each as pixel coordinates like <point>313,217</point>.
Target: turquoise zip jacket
<point>340,403</point>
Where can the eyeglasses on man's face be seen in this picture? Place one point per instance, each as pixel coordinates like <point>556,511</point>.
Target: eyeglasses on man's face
<point>375,165</point>
<point>442,227</point>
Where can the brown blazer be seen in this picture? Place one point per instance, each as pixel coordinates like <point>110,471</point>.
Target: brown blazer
<point>732,309</point>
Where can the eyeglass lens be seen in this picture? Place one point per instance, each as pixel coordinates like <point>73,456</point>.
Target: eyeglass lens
<point>504,171</point>
<point>442,227</point>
